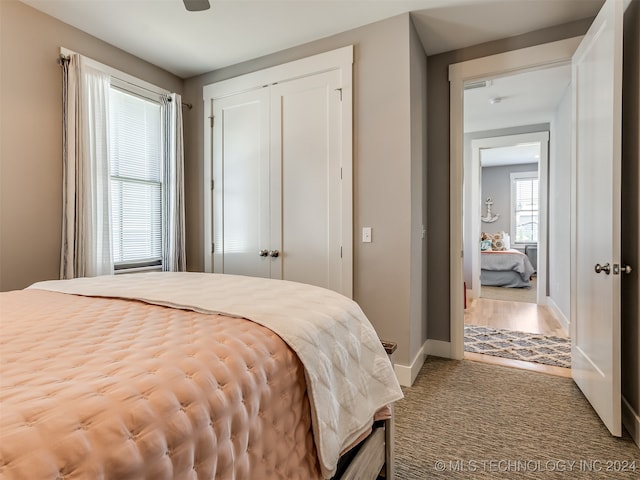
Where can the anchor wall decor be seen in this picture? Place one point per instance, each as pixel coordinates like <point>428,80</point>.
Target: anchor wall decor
<point>490,217</point>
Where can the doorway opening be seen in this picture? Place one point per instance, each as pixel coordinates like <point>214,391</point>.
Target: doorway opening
<point>508,240</point>
<point>461,74</point>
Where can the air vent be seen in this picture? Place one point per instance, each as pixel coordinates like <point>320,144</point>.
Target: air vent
<point>478,84</point>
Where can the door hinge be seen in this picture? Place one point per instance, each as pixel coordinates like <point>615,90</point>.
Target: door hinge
<point>340,251</point>
<point>212,184</point>
<point>340,173</point>
<point>213,247</point>
<point>211,121</point>
<point>339,90</point>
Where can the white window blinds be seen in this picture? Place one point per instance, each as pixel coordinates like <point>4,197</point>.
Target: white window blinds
<point>525,207</point>
<point>136,152</point>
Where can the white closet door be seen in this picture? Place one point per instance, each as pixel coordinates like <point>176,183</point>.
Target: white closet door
<point>241,189</point>
<point>306,199</point>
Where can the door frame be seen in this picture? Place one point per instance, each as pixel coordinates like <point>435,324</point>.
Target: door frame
<point>515,61</point>
<point>542,138</point>
<point>340,59</point>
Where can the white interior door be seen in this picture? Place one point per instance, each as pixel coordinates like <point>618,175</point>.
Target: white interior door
<point>241,229</point>
<point>306,160</point>
<point>595,322</point>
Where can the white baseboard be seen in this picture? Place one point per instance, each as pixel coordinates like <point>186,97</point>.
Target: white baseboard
<point>407,373</point>
<point>555,310</point>
<point>437,348</point>
<point>631,421</point>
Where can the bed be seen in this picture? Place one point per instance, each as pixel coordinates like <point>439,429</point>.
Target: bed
<point>188,375</point>
<point>505,268</point>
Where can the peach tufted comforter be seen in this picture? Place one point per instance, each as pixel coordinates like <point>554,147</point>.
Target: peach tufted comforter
<point>96,388</point>
<point>114,388</point>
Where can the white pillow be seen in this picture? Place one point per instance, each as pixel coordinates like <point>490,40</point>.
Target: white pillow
<point>506,239</point>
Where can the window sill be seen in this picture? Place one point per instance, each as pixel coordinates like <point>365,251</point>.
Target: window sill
<point>157,268</point>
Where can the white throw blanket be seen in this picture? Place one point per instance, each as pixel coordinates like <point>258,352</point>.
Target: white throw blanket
<point>349,376</point>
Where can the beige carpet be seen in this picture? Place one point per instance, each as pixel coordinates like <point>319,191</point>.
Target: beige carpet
<point>525,294</point>
<point>468,420</point>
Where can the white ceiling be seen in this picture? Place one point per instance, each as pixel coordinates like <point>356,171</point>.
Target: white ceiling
<point>522,99</point>
<point>528,98</point>
<point>185,43</point>
<point>513,155</point>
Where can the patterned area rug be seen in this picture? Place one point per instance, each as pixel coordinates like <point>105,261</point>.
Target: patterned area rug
<point>530,347</point>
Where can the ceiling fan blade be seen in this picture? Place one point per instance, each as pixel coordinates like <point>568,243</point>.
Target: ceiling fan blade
<point>196,5</point>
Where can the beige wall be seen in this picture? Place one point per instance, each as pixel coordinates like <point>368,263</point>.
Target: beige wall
<point>31,135</point>
<point>631,212</point>
<point>384,147</point>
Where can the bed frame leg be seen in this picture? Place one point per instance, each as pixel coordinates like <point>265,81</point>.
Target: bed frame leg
<point>389,427</point>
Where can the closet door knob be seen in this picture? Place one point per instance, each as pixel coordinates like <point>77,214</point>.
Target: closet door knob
<point>603,268</point>
<point>263,253</point>
<point>274,253</point>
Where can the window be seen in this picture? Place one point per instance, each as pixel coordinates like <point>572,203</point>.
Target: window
<point>136,170</point>
<point>524,207</point>
<point>123,189</point>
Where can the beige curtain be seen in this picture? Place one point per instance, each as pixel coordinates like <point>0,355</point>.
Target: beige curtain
<point>86,222</point>
<point>173,236</point>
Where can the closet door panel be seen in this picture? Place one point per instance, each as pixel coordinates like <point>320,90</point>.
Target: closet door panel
<point>305,167</point>
<point>241,184</point>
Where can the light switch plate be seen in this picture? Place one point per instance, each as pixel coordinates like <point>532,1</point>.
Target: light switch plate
<point>366,234</point>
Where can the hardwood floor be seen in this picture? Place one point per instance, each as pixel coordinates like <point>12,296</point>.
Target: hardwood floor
<point>519,316</point>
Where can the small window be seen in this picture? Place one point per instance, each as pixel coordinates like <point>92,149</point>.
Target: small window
<point>136,157</point>
<point>524,207</point>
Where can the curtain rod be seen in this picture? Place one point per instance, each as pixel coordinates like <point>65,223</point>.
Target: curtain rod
<point>185,105</point>
<point>65,58</point>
